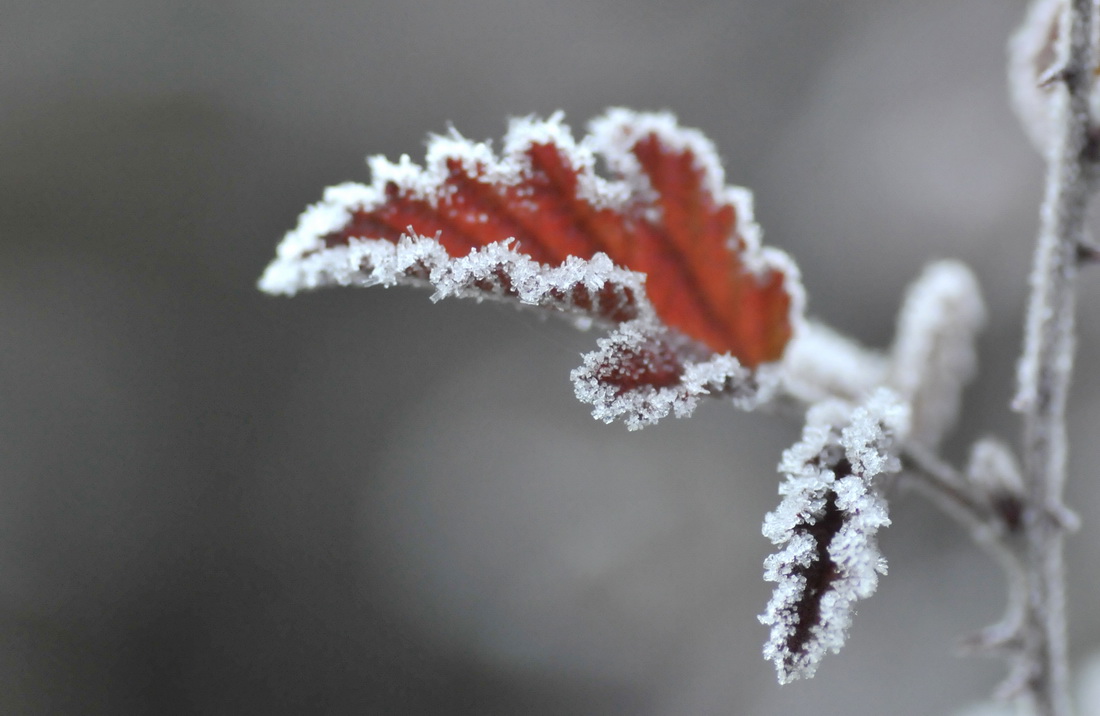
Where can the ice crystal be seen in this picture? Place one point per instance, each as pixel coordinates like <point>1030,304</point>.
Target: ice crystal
<point>826,527</point>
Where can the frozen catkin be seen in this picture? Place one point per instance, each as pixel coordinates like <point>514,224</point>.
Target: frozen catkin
<point>933,355</point>
<point>826,527</point>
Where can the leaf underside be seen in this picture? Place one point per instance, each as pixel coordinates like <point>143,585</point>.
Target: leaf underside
<point>826,527</point>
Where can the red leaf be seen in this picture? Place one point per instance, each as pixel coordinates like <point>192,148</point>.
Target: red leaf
<point>642,372</point>
<point>664,246</point>
<point>668,216</point>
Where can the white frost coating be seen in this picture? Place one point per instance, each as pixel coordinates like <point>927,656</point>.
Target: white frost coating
<point>934,355</point>
<point>612,136</point>
<point>526,131</point>
<point>301,260</point>
<point>425,183</point>
<point>876,428</point>
<point>819,363</point>
<point>590,290</point>
<point>826,526</point>
<point>637,345</point>
<point>495,271</point>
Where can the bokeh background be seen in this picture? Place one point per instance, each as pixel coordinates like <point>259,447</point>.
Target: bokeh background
<point>357,502</point>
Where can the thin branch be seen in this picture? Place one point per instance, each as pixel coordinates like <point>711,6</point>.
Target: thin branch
<point>945,487</point>
<point>1047,362</point>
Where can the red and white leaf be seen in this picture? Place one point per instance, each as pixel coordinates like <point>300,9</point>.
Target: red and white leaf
<point>664,242</point>
<point>642,372</point>
<point>498,271</point>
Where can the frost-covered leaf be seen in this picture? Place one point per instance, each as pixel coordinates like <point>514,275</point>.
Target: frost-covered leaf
<point>667,215</point>
<point>499,271</point>
<point>934,353</point>
<point>826,526</point>
<point>664,242</point>
<point>642,372</point>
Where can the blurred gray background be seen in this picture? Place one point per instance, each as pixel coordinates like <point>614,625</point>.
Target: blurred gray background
<point>357,502</point>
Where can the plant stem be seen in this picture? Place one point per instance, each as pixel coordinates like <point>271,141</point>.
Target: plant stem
<point>1047,364</point>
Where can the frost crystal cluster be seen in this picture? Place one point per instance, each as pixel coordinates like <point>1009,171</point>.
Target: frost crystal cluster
<point>826,527</point>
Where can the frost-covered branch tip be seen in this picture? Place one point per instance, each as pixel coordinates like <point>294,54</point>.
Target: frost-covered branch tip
<point>827,524</point>
<point>1038,56</point>
<point>934,354</point>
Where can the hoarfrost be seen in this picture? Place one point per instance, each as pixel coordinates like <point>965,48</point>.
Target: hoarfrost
<point>497,271</point>
<point>826,526</point>
<point>611,137</point>
<point>613,134</point>
<point>820,363</point>
<point>642,372</point>
<point>933,355</point>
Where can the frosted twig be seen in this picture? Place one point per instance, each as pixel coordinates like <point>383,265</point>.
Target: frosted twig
<point>1046,365</point>
<point>994,527</point>
<point>945,487</point>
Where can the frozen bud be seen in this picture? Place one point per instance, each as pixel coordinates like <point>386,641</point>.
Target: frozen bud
<point>1035,54</point>
<point>933,355</point>
<point>993,469</point>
